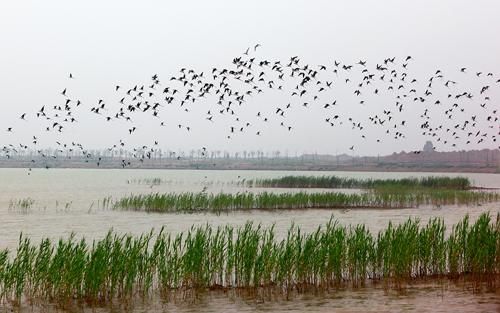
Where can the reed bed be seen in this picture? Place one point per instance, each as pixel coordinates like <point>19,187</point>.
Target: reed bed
<point>148,181</point>
<point>458,183</point>
<point>190,202</point>
<point>120,267</point>
<point>21,205</point>
<point>25,203</point>
<point>157,181</point>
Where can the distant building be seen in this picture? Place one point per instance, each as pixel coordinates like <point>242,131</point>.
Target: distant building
<point>428,147</point>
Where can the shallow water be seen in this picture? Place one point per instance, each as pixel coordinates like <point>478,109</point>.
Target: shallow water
<point>421,297</point>
<point>66,200</point>
<point>443,296</point>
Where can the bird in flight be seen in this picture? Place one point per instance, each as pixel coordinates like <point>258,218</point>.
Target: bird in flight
<point>379,97</point>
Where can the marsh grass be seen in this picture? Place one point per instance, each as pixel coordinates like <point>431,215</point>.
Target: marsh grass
<point>189,202</point>
<point>156,181</point>
<point>21,205</point>
<point>26,206</point>
<point>458,183</point>
<point>380,193</point>
<point>249,257</point>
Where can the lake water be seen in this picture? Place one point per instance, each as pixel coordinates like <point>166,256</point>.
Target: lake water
<point>66,200</point>
<point>420,297</point>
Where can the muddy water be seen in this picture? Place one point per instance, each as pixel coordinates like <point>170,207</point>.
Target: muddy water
<point>443,296</point>
<point>67,200</point>
<point>421,297</point>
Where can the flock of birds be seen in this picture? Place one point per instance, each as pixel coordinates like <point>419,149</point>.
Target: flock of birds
<point>464,116</point>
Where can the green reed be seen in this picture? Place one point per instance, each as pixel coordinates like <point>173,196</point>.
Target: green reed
<point>121,267</point>
<point>220,202</point>
<point>460,183</point>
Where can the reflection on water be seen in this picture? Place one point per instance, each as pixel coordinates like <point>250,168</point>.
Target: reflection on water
<point>443,296</point>
<point>66,200</point>
<point>419,298</point>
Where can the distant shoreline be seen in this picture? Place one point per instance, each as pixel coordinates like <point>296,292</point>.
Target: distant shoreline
<point>319,168</point>
<point>474,161</point>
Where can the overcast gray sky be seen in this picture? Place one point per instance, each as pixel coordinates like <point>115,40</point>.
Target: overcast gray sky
<point>104,43</point>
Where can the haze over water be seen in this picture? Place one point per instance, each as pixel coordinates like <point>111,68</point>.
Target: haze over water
<point>292,77</point>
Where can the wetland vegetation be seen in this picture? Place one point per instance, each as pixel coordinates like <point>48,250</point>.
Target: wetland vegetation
<point>121,266</point>
<point>375,193</point>
<point>458,183</point>
<point>189,202</point>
